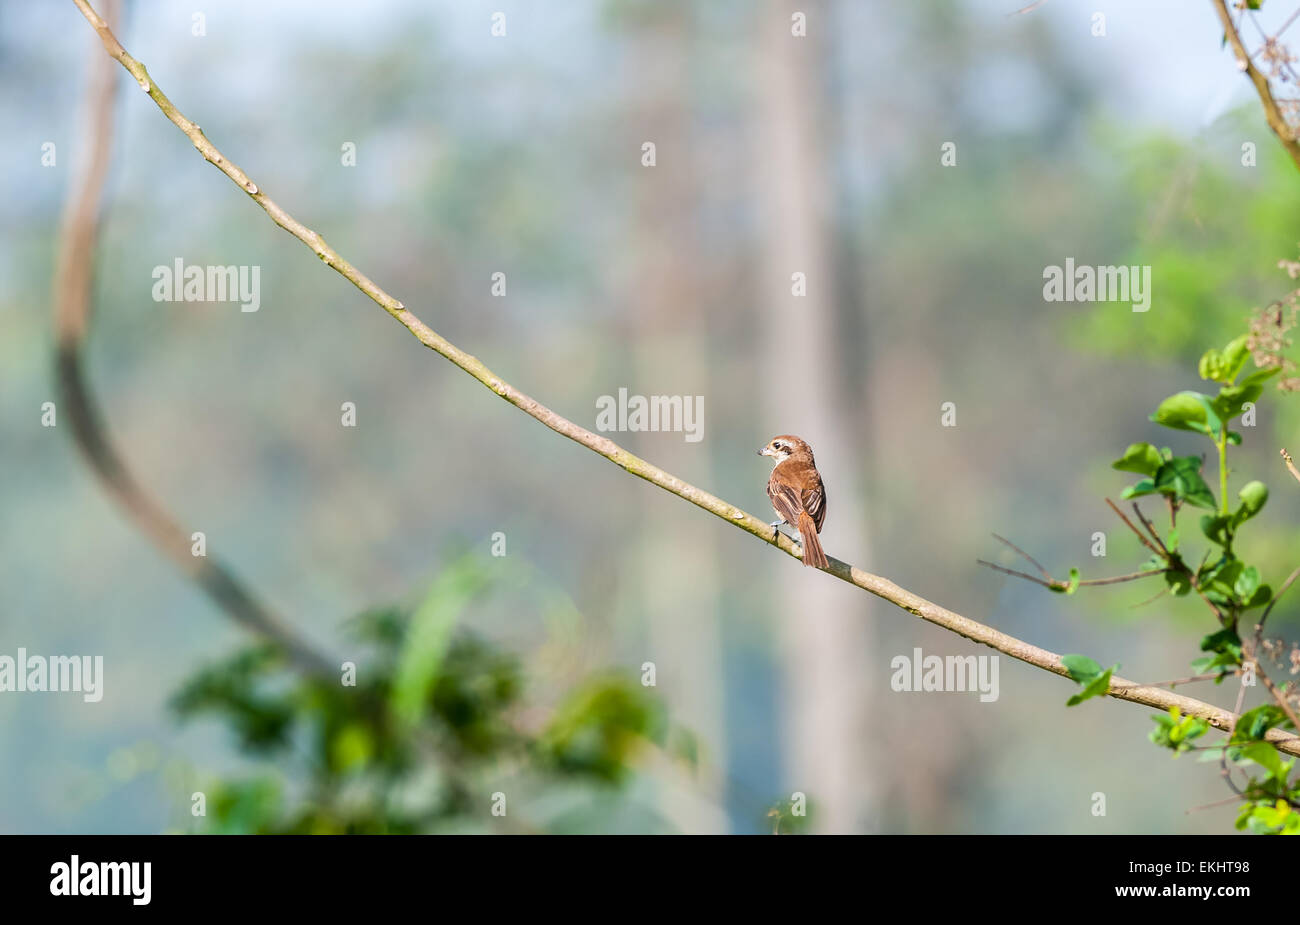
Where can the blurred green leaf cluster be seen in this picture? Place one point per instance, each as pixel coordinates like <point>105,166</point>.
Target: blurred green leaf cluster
<point>433,735</point>
<point>1229,585</point>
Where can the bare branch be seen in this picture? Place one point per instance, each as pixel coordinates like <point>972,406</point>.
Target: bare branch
<point>1151,530</point>
<point>1059,585</point>
<point>1136,532</point>
<point>1152,599</point>
<point>1032,561</point>
<point>1049,582</point>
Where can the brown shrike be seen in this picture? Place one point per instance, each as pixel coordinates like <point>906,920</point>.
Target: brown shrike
<point>797,493</point>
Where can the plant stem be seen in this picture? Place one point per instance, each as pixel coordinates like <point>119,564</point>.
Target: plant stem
<point>1223,469</point>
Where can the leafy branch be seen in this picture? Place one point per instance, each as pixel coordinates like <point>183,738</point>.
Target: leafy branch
<point>1227,584</point>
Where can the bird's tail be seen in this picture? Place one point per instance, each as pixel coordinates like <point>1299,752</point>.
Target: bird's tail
<point>812,547</point>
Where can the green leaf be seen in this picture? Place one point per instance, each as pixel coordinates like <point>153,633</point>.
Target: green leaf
<point>1098,687</point>
<point>1243,815</point>
<point>1232,399</point>
<point>1235,356</point>
<point>1223,365</point>
<point>1266,756</point>
<point>1213,420</point>
<point>1222,662</point>
<point>1247,582</point>
<point>1225,640</point>
<point>1211,364</point>
<point>1254,723</point>
<point>1142,458</point>
<point>1260,376</point>
<point>1218,581</point>
<point>1144,487</point>
<point>429,636</point>
<point>1071,587</point>
<point>1210,753</point>
<point>1184,411</point>
<point>1089,674</point>
<point>1217,528</point>
<point>1178,582</point>
<point>1253,496</point>
<point>1176,731</point>
<point>1181,478</point>
<point>1263,594</point>
<point>1080,667</point>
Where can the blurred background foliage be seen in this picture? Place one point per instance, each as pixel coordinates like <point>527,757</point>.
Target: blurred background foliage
<point>434,720</point>
<point>521,673</point>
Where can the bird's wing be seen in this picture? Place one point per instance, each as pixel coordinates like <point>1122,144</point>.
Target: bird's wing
<point>785,500</point>
<point>814,502</point>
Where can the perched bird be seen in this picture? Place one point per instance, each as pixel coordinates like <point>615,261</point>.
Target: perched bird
<point>797,493</point>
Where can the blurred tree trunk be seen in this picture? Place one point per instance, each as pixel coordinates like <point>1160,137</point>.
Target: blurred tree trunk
<point>677,575</point>
<point>825,634</point>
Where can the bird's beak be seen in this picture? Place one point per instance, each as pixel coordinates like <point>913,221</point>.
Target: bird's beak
<point>762,453</point>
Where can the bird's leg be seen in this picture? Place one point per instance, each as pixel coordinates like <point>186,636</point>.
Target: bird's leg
<point>776,531</point>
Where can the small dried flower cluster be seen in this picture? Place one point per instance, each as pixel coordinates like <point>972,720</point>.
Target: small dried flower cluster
<point>1274,59</point>
<point>1268,341</point>
<point>1287,655</point>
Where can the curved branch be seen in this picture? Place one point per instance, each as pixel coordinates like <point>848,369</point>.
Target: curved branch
<point>74,272</point>
<point>916,605</point>
<point>1272,112</point>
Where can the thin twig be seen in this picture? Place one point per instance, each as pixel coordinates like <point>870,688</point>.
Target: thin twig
<point>1034,562</point>
<point>1027,8</point>
<point>1050,582</point>
<point>1259,629</point>
<point>1151,530</point>
<point>1116,579</point>
<point>1213,675</point>
<point>1155,597</point>
<point>1164,554</point>
<point>1059,584</point>
<point>1136,532</point>
<point>1226,801</point>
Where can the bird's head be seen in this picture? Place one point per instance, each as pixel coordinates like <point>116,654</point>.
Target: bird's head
<point>785,446</point>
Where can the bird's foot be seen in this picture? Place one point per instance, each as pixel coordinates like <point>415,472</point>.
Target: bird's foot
<point>777,532</point>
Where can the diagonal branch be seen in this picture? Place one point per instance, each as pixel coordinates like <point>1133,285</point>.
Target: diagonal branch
<point>914,604</point>
<point>1272,112</point>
